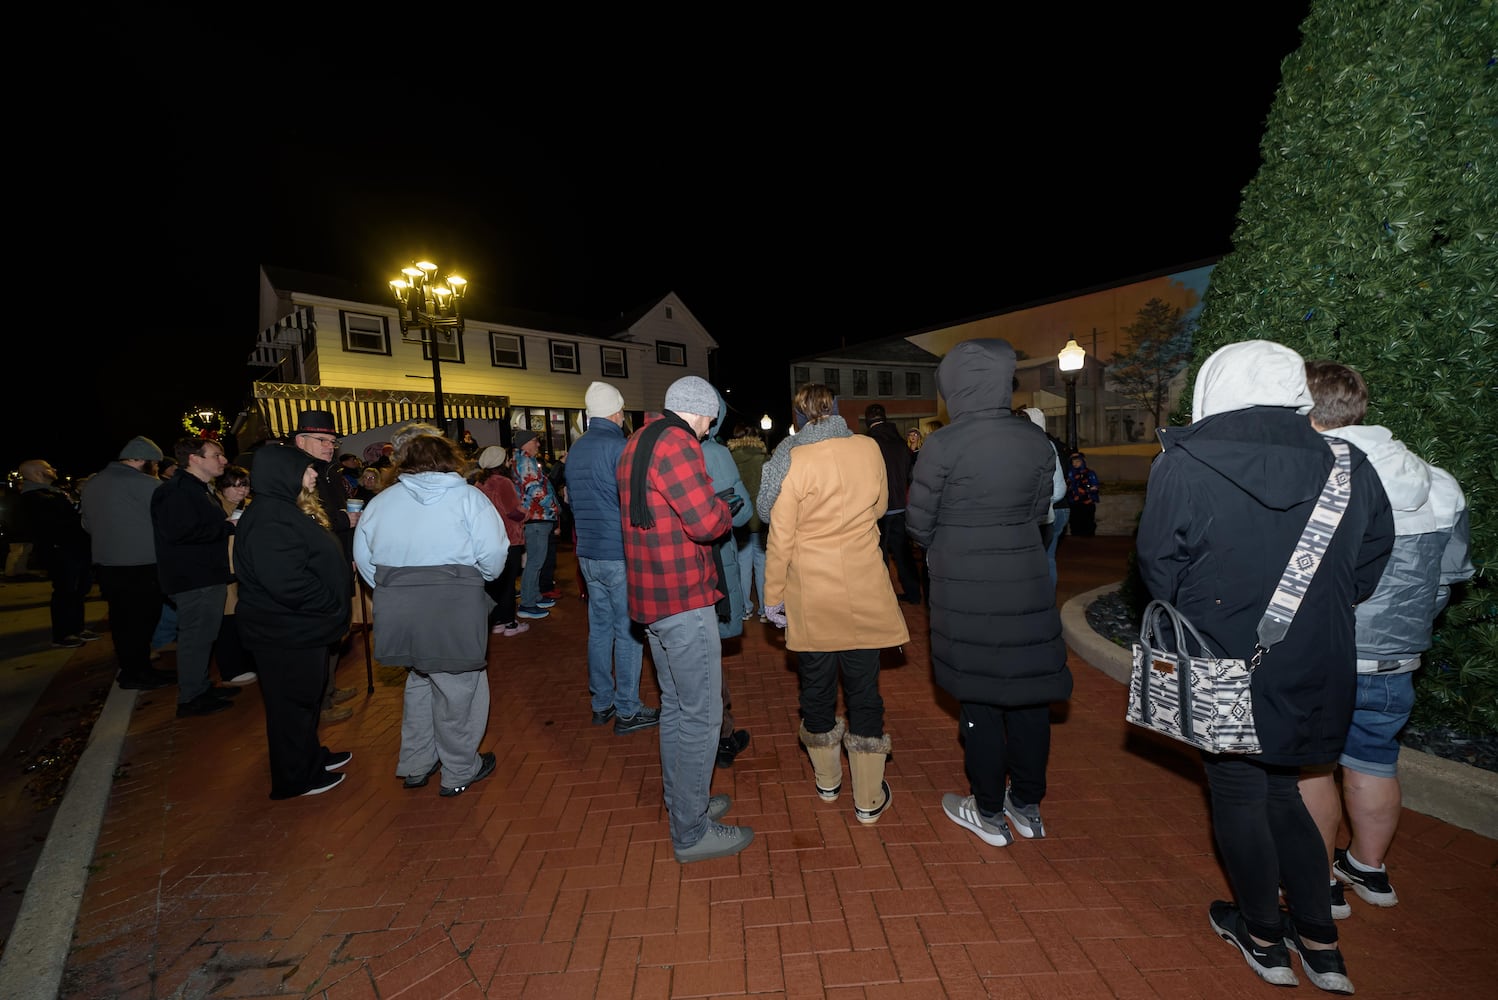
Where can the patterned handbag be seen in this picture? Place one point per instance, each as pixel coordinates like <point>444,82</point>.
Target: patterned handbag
<point>1205,700</point>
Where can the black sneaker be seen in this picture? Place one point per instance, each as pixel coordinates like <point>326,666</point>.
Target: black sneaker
<point>336,760</point>
<point>420,780</point>
<point>206,703</point>
<point>330,781</point>
<point>1340,909</point>
<point>486,768</point>
<point>1371,887</point>
<point>731,746</point>
<point>1323,966</point>
<point>600,718</point>
<point>67,642</point>
<point>646,718</point>
<point>1270,961</point>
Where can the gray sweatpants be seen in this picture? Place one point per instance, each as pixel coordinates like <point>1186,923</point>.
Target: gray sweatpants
<point>444,718</point>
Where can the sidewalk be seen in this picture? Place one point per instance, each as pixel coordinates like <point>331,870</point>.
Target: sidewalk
<point>554,878</point>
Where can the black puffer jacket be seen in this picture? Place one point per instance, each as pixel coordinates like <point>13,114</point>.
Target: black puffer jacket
<point>982,484</point>
<point>295,584</point>
<point>1228,498</point>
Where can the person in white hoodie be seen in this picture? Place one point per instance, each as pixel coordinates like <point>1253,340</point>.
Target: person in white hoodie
<point>1431,552</point>
<point>427,544</point>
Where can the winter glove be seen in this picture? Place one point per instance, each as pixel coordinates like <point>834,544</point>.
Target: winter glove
<point>735,502</point>
<point>776,614</point>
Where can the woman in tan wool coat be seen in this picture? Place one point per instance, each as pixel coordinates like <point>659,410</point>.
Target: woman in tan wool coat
<point>826,581</point>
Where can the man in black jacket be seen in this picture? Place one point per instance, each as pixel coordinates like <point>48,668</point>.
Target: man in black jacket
<point>898,458</point>
<point>61,547</point>
<point>192,560</point>
<point>317,435</point>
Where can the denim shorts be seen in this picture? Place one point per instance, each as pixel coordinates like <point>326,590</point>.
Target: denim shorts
<point>1382,708</point>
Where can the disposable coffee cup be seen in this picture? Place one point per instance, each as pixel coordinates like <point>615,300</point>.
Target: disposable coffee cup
<point>355,506</point>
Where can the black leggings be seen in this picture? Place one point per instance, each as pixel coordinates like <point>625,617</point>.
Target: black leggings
<point>1000,742</point>
<point>1268,839</point>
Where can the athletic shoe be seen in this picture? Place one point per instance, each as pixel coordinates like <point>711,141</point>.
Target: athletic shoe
<point>67,642</point>
<point>420,780</point>
<point>331,781</point>
<point>546,603</point>
<point>731,746</point>
<point>599,718</point>
<point>534,614</point>
<point>1323,966</point>
<point>717,806</point>
<point>1340,909</point>
<point>514,629</point>
<point>89,636</point>
<point>336,760</point>
<point>239,680</point>
<point>1270,961</point>
<point>718,842</point>
<point>1026,819</point>
<point>341,695</point>
<point>764,619</point>
<point>645,718</point>
<point>206,703</point>
<point>963,810</point>
<point>748,615</point>
<point>337,713</point>
<point>1371,887</point>
<point>486,768</point>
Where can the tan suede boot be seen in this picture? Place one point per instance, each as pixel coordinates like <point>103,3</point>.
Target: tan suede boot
<point>826,752</point>
<point>871,793</point>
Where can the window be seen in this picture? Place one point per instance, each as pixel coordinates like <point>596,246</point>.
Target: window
<point>507,350</point>
<point>860,382</point>
<point>365,334</point>
<point>886,383</point>
<point>668,312</point>
<point>800,375</point>
<point>667,353</point>
<point>1050,378</point>
<point>448,344</point>
<point>564,356</point>
<point>613,362</point>
<point>912,383</point>
<point>831,380</point>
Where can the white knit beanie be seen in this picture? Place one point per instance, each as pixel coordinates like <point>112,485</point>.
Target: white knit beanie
<point>603,400</point>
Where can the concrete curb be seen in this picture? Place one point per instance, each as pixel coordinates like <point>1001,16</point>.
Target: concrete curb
<point>1455,793</point>
<point>37,950</point>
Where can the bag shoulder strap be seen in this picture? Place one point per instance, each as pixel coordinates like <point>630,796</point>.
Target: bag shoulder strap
<point>1306,559</point>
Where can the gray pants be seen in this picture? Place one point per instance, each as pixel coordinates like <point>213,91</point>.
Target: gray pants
<point>444,718</point>
<point>199,614</point>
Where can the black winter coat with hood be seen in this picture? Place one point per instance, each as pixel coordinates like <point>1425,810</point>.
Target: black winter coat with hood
<point>1227,500</point>
<point>982,484</point>
<point>295,583</point>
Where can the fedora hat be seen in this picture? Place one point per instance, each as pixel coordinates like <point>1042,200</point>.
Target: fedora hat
<point>316,422</point>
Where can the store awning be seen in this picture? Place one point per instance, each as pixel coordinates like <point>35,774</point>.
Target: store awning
<point>356,410</point>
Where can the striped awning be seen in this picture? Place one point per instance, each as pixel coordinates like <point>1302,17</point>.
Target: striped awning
<point>296,331</point>
<point>358,410</point>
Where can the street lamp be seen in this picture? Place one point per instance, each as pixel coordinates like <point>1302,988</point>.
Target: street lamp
<point>1070,359</point>
<point>431,309</point>
<point>765,423</point>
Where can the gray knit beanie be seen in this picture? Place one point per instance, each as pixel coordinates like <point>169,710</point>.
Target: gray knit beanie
<point>692,394</point>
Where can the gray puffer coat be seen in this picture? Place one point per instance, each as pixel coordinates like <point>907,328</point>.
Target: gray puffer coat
<point>982,484</point>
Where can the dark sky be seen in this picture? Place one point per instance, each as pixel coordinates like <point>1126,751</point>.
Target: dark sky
<point>798,186</point>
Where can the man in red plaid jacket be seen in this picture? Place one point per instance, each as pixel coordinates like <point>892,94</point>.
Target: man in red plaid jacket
<point>670,518</point>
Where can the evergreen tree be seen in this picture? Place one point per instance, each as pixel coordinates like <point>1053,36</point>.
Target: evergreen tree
<point>1369,236</point>
<point>1159,346</point>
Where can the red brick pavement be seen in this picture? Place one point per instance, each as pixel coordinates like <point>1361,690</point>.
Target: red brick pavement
<point>555,878</point>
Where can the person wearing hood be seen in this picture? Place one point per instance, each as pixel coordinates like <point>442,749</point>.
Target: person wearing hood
<point>1227,500</point>
<point>728,484</point>
<point>1082,496</point>
<point>427,545</point>
<point>1432,551</point>
<point>829,588</point>
<point>295,598</point>
<point>980,490</point>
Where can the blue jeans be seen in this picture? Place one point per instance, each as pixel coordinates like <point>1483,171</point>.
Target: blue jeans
<point>166,626</point>
<point>537,538</point>
<point>751,564</point>
<point>615,653</point>
<point>689,666</point>
<point>1063,514</point>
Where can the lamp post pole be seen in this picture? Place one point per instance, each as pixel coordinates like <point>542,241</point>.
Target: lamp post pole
<point>1071,359</point>
<point>430,307</point>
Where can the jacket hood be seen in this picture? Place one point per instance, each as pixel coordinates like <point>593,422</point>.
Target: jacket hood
<point>278,472</point>
<point>1406,479</point>
<point>1250,373</point>
<point>717,424</point>
<point>426,488</point>
<point>977,376</point>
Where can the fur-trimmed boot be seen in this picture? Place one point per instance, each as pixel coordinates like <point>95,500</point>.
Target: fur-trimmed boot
<point>826,752</point>
<point>871,793</point>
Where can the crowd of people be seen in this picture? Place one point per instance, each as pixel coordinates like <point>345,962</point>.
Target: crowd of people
<point>684,531</point>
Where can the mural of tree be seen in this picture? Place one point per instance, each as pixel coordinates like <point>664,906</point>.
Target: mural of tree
<point>1159,346</point>
<point>1369,236</point>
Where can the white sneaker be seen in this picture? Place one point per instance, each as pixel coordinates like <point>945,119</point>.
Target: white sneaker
<point>964,812</point>
<point>240,680</point>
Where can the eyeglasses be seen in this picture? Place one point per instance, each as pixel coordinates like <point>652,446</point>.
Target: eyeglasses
<point>236,486</point>
<point>331,442</point>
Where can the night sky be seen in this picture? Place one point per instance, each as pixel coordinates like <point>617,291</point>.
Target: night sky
<point>799,186</point>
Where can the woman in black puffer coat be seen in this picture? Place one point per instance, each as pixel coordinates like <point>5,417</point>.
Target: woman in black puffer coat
<point>983,485</point>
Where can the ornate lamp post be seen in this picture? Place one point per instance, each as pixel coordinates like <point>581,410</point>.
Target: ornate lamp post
<point>1070,359</point>
<point>431,309</point>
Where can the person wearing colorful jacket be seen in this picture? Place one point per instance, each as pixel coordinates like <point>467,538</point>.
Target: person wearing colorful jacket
<point>670,518</point>
<point>540,502</point>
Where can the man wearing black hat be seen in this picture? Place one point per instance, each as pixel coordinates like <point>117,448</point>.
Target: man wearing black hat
<point>317,435</point>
